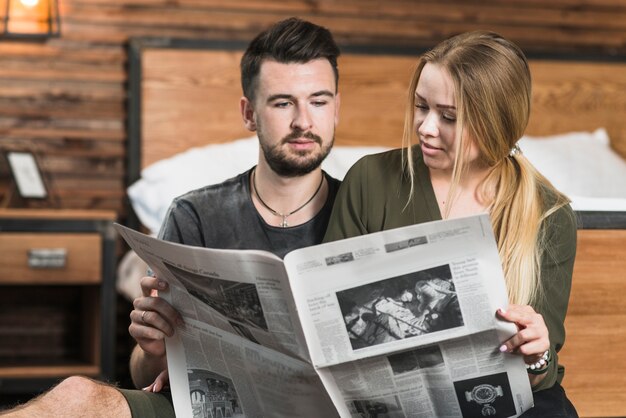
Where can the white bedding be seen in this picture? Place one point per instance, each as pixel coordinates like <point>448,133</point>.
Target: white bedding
<point>599,204</point>
<point>581,164</point>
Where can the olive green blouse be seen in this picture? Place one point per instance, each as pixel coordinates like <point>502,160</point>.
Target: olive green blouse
<point>373,197</point>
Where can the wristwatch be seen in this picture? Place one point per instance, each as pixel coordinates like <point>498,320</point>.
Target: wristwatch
<point>485,395</point>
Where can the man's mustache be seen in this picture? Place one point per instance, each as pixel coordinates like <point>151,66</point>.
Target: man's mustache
<point>301,134</point>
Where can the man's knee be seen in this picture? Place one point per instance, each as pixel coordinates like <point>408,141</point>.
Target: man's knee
<point>82,387</point>
<point>75,396</point>
<point>88,393</point>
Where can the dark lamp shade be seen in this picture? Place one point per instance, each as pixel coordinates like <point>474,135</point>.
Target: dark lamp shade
<point>29,19</point>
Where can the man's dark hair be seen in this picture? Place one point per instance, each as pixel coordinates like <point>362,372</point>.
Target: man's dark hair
<point>289,41</point>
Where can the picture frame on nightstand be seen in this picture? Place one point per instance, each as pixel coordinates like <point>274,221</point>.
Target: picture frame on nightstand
<point>26,174</point>
<point>29,186</point>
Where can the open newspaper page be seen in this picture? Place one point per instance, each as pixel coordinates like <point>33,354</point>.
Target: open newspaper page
<point>402,323</point>
<point>224,375</point>
<point>241,352</point>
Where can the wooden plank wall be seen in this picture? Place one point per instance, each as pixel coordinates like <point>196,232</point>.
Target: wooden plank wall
<point>593,355</point>
<point>66,98</point>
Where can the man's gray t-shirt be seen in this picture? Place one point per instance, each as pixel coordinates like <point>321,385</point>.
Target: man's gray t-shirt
<point>223,216</point>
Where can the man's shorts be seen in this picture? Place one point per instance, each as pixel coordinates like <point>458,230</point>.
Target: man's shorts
<point>148,404</point>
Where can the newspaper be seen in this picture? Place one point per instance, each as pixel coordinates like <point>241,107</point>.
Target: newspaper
<point>399,323</point>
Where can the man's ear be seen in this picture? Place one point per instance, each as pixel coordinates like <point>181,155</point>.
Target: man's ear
<point>337,106</point>
<point>247,114</point>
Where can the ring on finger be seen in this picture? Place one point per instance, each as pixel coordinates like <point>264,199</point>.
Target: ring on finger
<point>142,317</point>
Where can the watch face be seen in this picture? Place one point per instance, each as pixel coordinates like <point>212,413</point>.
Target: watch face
<point>484,393</point>
<point>486,396</point>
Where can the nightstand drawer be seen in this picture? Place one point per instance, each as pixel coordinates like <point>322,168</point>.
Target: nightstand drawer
<point>50,258</point>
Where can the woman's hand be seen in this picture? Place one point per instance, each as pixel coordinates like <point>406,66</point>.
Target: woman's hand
<point>532,338</point>
<point>161,381</point>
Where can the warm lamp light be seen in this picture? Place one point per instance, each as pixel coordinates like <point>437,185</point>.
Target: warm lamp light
<point>29,19</point>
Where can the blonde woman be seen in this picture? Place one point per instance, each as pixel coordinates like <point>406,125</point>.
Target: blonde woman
<point>469,105</point>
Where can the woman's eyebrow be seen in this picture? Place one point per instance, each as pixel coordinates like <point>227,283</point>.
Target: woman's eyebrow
<point>441,106</point>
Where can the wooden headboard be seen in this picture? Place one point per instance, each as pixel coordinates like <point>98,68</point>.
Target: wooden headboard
<point>186,93</point>
<point>189,96</point>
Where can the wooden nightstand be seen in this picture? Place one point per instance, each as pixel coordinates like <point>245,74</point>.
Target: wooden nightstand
<point>57,297</point>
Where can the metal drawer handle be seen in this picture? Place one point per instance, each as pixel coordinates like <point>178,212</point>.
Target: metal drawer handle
<point>47,258</point>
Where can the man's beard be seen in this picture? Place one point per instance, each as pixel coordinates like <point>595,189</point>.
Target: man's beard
<point>291,166</point>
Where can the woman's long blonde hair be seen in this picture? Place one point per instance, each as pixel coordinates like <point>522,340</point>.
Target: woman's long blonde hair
<point>493,95</point>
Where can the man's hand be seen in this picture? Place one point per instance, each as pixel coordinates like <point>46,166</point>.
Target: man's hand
<point>151,321</point>
<point>153,318</point>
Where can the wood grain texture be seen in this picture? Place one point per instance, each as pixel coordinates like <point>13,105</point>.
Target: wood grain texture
<point>83,260</point>
<point>178,98</point>
<point>182,88</point>
<point>595,366</point>
<point>579,96</point>
<point>70,92</point>
<point>57,215</point>
<point>91,370</point>
<point>41,334</point>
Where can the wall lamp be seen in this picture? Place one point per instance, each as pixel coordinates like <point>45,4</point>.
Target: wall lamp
<point>29,19</point>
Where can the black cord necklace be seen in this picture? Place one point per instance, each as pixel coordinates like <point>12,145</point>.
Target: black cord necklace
<point>284,216</point>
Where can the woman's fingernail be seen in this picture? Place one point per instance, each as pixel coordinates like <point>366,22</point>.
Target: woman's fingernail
<point>146,388</point>
<point>503,348</point>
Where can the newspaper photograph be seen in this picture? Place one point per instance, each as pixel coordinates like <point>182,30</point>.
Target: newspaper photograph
<point>399,323</point>
<point>465,377</point>
<point>246,293</point>
<point>398,289</point>
<point>225,376</point>
<point>400,307</point>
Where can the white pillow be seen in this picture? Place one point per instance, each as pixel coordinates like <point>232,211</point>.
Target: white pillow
<point>579,164</point>
<point>341,159</point>
<point>164,180</point>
